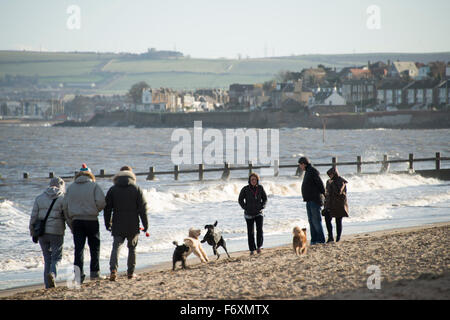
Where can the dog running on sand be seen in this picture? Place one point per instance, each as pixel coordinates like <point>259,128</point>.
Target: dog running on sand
<point>214,239</point>
<point>299,241</point>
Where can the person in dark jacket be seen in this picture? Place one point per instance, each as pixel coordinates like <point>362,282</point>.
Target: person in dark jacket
<point>252,199</point>
<point>335,203</point>
<point>313,193</point>
<point>125,205</point>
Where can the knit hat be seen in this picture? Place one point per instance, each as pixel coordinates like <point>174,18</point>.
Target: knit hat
<point>84,168</point>
<point>57,182</point>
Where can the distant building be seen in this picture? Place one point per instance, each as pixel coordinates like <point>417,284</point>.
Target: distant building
<point>424,72</point>
<point>146,96</point>
<point>443,93</point>
<point>390,92</point>
<point>151,107</point>
<point>359,92</point>
<point>292,91</point>
<point>313,76</point>
<point>423,93</point>
<point>400,69</point>
<point>355,73</point>
<point>245,95</point>
<point>325,101</point>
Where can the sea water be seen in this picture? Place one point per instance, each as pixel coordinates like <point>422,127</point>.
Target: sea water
<point>376,201</point>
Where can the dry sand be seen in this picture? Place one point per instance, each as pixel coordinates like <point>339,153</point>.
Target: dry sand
<point>414,264</point>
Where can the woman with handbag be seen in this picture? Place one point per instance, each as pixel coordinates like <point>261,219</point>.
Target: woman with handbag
<point>47,225</point>
<point>335,203</point>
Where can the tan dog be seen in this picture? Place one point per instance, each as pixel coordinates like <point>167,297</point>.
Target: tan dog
<point>299,242</point>
<point>194,245</point>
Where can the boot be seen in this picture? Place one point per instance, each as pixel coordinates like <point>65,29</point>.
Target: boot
<point>113,275</point>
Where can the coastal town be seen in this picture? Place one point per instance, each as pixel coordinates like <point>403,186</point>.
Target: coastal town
<point>376,86</point>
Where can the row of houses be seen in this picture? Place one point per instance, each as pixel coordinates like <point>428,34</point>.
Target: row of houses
<point>168,100</point>
<point>38,109</point>
<point>375,86</point>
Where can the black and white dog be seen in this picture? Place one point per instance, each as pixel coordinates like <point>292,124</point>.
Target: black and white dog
<point>214,239</point>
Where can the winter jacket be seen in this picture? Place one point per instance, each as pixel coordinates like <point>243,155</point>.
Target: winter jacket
<point>55,223</point>
<point>312,186</point>
<point>84,199</point>
<point>336,197</point>
<point>126,203</point>
<point>252,199</point>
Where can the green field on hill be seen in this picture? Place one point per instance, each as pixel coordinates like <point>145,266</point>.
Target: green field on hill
<point>116,73</point>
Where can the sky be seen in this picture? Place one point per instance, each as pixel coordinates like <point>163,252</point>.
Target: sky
<point>227,28</point>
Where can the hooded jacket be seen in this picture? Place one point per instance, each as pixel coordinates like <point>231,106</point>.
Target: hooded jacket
<point>336,195</point>
<point>55,223</point>
<point>252,199</point>
<point>125,205</point>
<point>84,199</point>
<point>312,186</point>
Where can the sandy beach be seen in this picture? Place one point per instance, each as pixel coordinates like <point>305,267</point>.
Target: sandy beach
<point>413,264</point>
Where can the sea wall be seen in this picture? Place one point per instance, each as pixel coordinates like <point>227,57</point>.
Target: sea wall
<point>277,119</point>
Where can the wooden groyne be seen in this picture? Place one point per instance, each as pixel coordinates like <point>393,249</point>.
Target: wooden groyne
<point>436,172</point>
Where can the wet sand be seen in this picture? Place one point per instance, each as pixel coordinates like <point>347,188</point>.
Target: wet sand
<point>413,264</point>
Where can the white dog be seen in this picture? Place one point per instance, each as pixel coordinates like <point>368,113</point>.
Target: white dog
<point>194,245</point>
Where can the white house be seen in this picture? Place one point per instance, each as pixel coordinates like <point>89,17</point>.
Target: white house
<point>146,96</point>
<point>327,98</point>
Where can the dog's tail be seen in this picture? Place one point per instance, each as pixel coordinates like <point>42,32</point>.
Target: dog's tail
<point>175,243</point>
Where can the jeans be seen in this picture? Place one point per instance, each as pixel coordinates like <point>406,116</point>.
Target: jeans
<point>52,246</point>
<point>315,222</point>
<point>328,219</point>
<point>251,232</point>
<point>83,229</point>
<point>132,242</point>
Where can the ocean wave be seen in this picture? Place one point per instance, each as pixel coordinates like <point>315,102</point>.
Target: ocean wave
<point>164,201</point>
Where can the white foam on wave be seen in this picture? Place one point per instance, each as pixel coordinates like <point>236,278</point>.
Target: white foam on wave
<point>164,201</point>
<point>390,181</point>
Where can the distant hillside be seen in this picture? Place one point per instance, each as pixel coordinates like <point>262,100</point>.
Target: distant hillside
<point>115,73</point>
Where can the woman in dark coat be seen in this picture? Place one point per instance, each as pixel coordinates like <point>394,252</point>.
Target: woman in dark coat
<point>335,203</point>
<point>252,199</point>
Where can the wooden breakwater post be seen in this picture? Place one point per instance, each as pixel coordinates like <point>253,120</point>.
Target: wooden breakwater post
<point>334,162</point>
<point>411,162</point>
<point>226,171</point>
<point>176,172</point>
<point>200,171</point>
<point>151,173</point>
<point>276,168</point>
<point>358,164</point>
<point>438,161</point>
<point>384,164</point>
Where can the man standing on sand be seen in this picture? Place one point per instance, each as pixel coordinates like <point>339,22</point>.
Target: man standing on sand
<point>313,193</point>
<point>125,204</point>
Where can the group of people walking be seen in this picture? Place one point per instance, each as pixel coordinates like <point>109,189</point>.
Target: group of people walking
<point>333,199</point>
<point>125,207</point>
<point>78,208</point>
